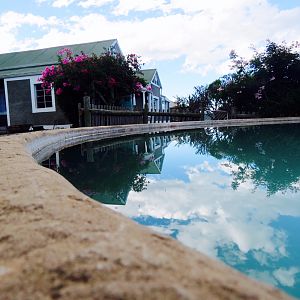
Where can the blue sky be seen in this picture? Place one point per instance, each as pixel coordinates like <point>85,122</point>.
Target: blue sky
<point>187,41</point>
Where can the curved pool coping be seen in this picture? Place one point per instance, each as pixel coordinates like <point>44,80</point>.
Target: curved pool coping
<point>57,243</point>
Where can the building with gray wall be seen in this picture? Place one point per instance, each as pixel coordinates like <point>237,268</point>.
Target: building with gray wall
<point>23,101</point>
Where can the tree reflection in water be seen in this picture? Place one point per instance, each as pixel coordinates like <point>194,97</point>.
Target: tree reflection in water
<point>269,156</point>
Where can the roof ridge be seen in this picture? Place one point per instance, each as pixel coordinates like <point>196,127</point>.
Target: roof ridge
<point>70,45</point>
<point>152,69</point>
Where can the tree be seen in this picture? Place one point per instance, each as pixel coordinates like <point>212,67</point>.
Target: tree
<point>267,85</point>
<point>196,102</point>
<point>277,70</point>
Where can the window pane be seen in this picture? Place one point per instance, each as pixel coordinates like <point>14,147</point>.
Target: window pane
<point>48,102</point>
<point>40,101</point>
<point>43,99</point>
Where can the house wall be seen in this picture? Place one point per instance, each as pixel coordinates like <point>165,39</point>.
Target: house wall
<point>156,98</point>
<point>20,106</point>
<point>155,90</point>
<point>139,101</point>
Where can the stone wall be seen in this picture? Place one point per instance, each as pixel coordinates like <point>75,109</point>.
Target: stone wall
<point>56,243</point>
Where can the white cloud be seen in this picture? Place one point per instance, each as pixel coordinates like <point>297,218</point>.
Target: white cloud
<point>62,3</point>
<point>204,38</point>
<point>90,3</point>
<point>11,22</point>
<point>218,217</point>
<point>126,6</point>
<point>282,276</point>
<point>286,277</point>
<point>201,33</point>
<point>11,19</point>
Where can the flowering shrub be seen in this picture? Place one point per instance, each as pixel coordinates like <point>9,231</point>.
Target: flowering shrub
<point>108,77</point>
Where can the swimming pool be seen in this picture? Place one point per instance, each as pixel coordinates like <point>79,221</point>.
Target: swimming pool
<point>232,193</point>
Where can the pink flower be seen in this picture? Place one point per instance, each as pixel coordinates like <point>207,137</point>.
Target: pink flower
<point>80,58</point>
<point>65,61</point>
<point>138,86</point>
<point>65,84</point>
<point>258,95</point>
<point>149,87</point>
<point>48,91</point>
<point>77,88</point>
<point>112,81</point>
<point>46,72</point>
<point>46,85</point>
<point>59,91</point>
<point>63,51</point>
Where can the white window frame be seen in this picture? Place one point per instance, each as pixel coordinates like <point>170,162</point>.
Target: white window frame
<point>33,82</point>
<point>156,103</point>
<point>155,79</point>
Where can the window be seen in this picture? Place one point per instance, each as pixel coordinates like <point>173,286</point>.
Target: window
<point>42,100</point>
<point>155,80</point>
<point>43,97</point>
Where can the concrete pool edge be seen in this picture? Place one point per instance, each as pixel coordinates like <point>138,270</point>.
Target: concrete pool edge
<point>67,138</point>
<point>56,243</point>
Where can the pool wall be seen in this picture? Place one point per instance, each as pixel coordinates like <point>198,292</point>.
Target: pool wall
<point>56,243</point>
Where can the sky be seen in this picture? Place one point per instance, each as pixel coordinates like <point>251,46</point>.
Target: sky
<point>187,41</point>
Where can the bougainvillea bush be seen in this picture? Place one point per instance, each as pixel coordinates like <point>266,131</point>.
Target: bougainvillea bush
<point>107,79</point>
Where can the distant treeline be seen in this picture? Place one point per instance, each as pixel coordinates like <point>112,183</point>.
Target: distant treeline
<point>268,85</point>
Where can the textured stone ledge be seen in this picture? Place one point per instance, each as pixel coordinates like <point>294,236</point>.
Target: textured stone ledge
<point>56,243</point>
<point>48,143</point>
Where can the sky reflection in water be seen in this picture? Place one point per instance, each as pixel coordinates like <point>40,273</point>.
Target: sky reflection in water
<point>230,193</point>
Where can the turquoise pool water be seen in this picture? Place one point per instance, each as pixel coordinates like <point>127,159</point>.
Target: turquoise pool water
<point>232,193</point>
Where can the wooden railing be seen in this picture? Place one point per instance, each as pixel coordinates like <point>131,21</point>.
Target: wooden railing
<point>106,115</point>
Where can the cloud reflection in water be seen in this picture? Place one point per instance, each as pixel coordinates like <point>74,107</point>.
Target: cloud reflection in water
<point>205,213</point>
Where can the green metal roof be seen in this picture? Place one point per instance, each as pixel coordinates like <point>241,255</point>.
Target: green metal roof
<point>117,198</point>
<point>33,62</point>
<point>148,74</point>
<point>151,168</point>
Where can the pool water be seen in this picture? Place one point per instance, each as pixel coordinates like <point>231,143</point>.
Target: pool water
<point>232,193</point>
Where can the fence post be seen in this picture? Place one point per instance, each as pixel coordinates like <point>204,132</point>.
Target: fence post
<point>87,112</point>
<point>145,114</point>
<point>79,115</point>
<point>90,153</point>
<point>201,112</point>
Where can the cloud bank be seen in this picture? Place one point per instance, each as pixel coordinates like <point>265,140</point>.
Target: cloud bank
<point>202,33</point>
